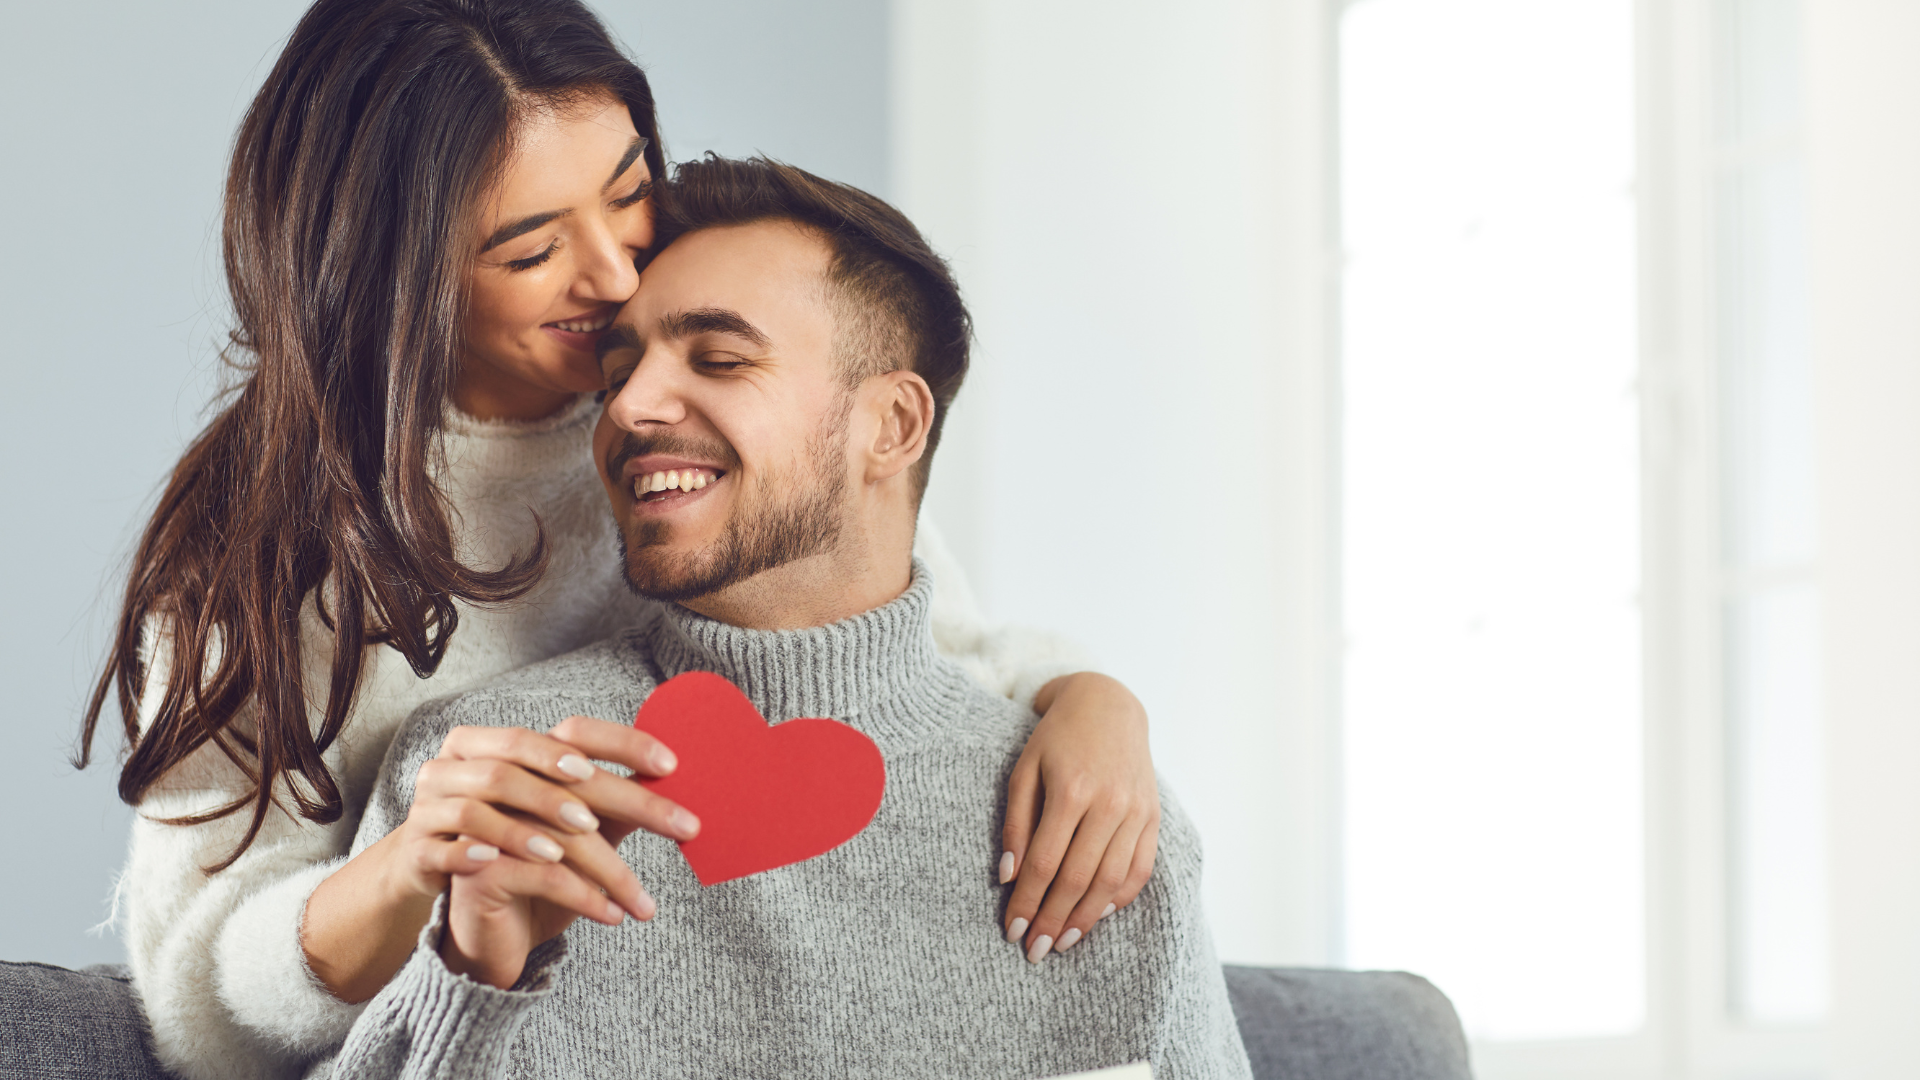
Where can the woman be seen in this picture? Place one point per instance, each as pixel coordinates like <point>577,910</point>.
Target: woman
<point>398,504</point>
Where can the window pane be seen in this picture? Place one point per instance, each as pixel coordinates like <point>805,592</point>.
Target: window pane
<point>1766,385</point>
<point>1780,902</point>
<point>1776,886</point>
<point>1491,494</point>
<point>1758,56</point>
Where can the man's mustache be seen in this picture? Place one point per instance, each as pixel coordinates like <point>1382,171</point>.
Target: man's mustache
<point>668,442</point>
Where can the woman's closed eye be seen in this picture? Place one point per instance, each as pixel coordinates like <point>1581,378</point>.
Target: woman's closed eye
<point>532,261</point>
<point>639,195</point>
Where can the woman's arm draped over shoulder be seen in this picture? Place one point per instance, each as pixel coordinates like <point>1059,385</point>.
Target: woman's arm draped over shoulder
<point>1082,805</point>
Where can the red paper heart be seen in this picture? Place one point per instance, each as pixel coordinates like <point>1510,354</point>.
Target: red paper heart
<point>767,796</point>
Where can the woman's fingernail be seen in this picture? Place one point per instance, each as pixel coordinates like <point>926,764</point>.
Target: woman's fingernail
<point>1006,867</point>
<point>663,760</point>
<point>579,817</point>
<point>1067,939</point>
<point>1017,930</point>
<point>645,908</point>
<point>1041,946</point>
<point>684,822</point>
<point>615,912</point>
<point>1110,910</point>
<point>482,852</point>
<point>543,847</point>
<point>575,766</point>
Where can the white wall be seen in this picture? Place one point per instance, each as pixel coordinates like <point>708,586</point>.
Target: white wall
<point>116,130</point>
<point>1863,95</point>
<point>115,133</point>
<point>1133,194</point>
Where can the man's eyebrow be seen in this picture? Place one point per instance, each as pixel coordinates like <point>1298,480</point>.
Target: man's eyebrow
<point>621,336</point>
<point>634,148</point>
<point>522,227</point>
<point>712,320</point>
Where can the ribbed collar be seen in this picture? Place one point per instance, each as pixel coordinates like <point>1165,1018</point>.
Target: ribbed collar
<point>840,670</point>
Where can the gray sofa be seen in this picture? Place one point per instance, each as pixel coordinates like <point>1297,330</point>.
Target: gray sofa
<point>57,1024</point>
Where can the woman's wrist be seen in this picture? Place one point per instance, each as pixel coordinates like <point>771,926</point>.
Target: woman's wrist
<point>1094,693</point>
<point>362,921</point>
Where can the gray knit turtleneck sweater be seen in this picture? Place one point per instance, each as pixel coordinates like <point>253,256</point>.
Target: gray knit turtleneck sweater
<point>877,959</point>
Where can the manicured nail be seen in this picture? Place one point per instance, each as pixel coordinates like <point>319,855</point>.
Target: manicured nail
<point>575,766</point>
<point>684,822</point>
<point>1041,946</point>
<point>644,908</point>
<point>615,912</point>
<point>543,847</point>
<point>1006,867</point>
<point>663,760</point>
<point>482,852</point>
<point>1110,910</point>
<point>1017,930</point>
<point>579,817</point>
<point>1067,939</point>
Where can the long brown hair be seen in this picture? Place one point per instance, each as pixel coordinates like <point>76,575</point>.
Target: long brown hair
<point>351,205</point>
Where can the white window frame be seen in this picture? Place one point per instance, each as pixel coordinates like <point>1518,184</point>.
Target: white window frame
<point>1687,734</point>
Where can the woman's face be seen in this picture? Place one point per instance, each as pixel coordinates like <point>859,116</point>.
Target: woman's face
<point>558,239</point>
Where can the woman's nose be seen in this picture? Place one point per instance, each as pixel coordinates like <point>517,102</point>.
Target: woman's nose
<point>607,271</point>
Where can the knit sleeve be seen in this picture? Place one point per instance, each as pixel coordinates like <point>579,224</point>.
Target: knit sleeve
<point>431,1023</point>
<point>1012,661</point>
<point>1195,1036</point>
<point>217,957</point>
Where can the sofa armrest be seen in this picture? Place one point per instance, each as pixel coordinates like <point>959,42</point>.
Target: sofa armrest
<point>72,1025</point>
<point>1302,1024</point>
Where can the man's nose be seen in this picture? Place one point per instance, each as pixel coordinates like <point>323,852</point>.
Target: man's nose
<point>651,395</point>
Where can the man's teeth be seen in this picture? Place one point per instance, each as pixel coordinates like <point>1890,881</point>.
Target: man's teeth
<point>684,479</point>
<point>587,326</point>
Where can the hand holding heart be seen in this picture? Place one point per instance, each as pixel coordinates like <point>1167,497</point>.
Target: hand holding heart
<point>526,827</point>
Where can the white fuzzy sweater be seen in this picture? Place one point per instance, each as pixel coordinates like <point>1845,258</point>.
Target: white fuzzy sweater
<point>217,958</point>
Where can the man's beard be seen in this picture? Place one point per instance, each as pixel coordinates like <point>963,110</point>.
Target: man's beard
<point>777,521</point>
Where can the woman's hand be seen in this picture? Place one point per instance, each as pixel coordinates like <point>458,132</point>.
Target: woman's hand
<point>1083,813</point>
<point>498,912</point>
<point>495,794</point>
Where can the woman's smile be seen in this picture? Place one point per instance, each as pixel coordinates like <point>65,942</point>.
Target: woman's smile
<point>582,332</point>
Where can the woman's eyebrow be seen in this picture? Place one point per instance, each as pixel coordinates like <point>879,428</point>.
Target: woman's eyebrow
<point>527,224</point>
<point>634,148</point>
<point>520,228</point>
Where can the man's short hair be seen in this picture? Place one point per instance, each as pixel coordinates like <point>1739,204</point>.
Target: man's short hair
<point>895,303</point>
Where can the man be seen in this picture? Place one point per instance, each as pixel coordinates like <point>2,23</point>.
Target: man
<point>776,392</point>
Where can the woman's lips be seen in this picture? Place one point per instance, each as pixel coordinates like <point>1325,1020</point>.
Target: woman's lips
<point>582,332</point>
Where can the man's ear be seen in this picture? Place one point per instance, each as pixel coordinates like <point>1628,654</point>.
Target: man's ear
<point>901,407</point>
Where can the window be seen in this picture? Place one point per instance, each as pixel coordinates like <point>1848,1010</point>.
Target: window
<point>1777,916</point>
<point>1612,864</point>
<point>1490,463</point>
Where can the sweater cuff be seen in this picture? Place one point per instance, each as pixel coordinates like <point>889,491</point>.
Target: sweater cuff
<point>264,978</point>
<point>429,1019</point>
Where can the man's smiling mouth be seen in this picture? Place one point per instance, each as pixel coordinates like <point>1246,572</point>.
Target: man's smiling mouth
<point>655,486</point>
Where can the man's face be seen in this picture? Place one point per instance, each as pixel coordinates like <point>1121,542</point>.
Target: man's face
<point>723,442</point>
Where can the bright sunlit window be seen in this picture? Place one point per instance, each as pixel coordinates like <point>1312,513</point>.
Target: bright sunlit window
<point>1490,533</point>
